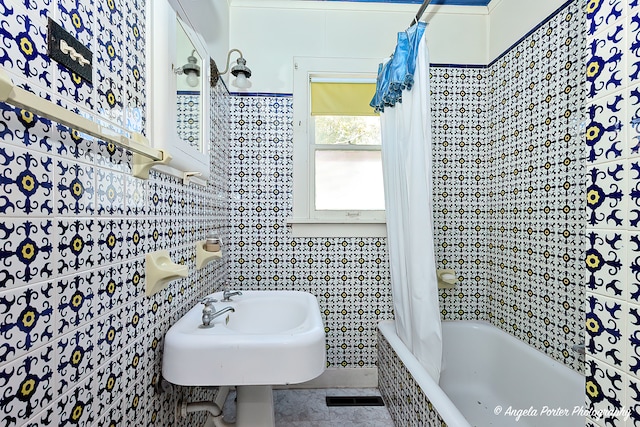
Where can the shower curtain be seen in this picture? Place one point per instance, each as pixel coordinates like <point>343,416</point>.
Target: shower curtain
<point>402,97</point>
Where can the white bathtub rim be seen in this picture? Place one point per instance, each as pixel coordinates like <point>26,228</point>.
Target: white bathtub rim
<point>440,401</point>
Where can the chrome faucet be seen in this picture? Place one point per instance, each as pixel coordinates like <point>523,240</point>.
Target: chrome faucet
<point>226,295</point>
<point>209,312</point>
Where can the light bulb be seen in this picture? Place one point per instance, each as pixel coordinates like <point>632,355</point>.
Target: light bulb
<point>192,79</point>
<point>241,81</point>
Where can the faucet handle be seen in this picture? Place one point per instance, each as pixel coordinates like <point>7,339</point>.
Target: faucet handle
<point>227,294</point>
<point>208,301</point>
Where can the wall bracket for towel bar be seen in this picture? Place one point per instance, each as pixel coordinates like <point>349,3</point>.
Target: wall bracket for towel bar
<point>21,98</point>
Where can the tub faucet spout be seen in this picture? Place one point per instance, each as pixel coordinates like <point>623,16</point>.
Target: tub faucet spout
<point>578,348</point>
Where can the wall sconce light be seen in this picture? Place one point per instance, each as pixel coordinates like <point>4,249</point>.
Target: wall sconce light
<point>240,71</point>
<point>191,69</point>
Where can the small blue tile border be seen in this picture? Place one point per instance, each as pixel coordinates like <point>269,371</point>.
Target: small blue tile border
<point>282,95</point>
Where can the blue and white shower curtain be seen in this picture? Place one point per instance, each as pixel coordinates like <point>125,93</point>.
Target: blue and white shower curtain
<point>403,99</point>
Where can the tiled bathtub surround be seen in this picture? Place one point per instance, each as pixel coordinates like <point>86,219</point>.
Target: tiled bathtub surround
<point>508,199</point>
<point>79,342</point>
<point>509,187</point>
<point>508,184</point>
<point>612,244</point>
<point>407,403</point>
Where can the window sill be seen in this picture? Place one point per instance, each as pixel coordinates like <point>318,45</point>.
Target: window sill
<point>311,227</point>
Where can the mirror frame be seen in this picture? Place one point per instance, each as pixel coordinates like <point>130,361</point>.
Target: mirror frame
<point>162,92</point>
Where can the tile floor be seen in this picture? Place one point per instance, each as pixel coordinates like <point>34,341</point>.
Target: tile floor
<point>307,408</point>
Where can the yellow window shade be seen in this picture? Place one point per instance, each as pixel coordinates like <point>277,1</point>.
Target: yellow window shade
<point>342,99</point>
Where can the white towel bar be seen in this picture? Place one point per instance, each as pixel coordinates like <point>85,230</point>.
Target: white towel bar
<point>21,98</point>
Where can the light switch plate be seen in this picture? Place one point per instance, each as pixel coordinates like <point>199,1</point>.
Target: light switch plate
<point>55,34</point>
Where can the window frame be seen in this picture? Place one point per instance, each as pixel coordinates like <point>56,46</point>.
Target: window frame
<point>306,220</point>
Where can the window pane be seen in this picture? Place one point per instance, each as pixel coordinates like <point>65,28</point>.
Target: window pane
<point>350,130</point>
<point>349,180</point>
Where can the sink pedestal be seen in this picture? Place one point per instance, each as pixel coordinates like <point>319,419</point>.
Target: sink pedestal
<point>254,406</point>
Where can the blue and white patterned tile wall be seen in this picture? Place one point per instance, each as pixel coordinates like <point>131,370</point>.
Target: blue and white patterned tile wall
<point>509,184</point>
<point>460,145</point>
<point>495,128</point>
<point>79,341</point>
<point>536,186</point>
<point>613,207</point>
<point>350,277</point>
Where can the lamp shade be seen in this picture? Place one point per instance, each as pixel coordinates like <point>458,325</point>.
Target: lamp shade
<point>241,81</point>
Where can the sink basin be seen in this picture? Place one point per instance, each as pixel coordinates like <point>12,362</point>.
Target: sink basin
<point>272,338</point>
<point>272,313</point>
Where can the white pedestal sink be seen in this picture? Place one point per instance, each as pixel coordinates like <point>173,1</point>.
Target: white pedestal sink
<point>272,338</point>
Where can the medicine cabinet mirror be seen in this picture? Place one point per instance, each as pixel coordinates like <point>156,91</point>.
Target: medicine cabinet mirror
<point>178,91</point>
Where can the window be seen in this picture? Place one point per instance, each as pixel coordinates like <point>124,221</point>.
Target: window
<point>337,158</point>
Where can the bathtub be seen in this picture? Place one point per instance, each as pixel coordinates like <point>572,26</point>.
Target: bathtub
<point>488,378</point>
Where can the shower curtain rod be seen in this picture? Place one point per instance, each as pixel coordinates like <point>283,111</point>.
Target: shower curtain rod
<point>420,12</point>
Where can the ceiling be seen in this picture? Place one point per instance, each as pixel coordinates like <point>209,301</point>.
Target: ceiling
<point>444,2</point>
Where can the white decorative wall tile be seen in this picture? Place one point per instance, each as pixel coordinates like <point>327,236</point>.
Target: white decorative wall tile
<point>606,388</point>
<point>27,385</point>
<point>606,128</point>
<point>632,121</point>
<point>73,144</point>
<point>633,43</point>
<point>134,322</point>
<point>113,157</point>
<point>134,279</point>
<point>110,193</point>
<point>75,195</point>
<point>76,301</point>
<point>109,93</point>
<point>47,417</point>
<point>109,382</point>
<point>606,61</point>
<point>27,315</point>
<point>109,288</point>
<point>632,403</point>
<point>26,181</point>
<point>135,404</point>
<point>632,362</point>
<point>607,263</point>
<point>76,245</point>
<point>78,18</point>
<point>77,406</point>
<point>110,240</point>
<point>606,204</point>
<point>602,13</point>
<point>136,238</point>
<point>633,192</point>
<point>24,44</point>
<point>22,127</point>
<point>135,196</point>
<point>605,329</point>
<point>75,357</point>
<point>28,251</point>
